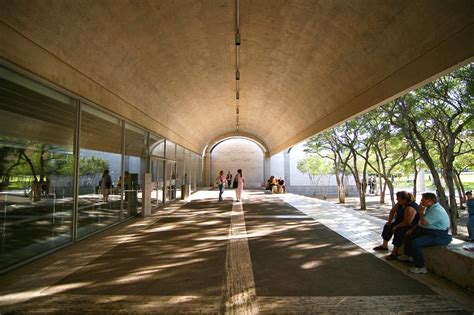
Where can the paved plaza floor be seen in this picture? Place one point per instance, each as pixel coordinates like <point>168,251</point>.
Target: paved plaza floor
<point>270,254</point>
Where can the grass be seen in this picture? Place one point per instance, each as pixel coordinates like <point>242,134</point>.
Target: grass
<point>466,178</point>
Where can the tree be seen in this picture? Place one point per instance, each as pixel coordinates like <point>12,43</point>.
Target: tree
<point>432,119</point>
<point>353,137</point>
<point>388,147</point>
<point>464,161</point>
<point>316,168</point>
<point>327,145</point>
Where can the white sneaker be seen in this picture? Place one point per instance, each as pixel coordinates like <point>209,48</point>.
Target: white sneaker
<point>405,258</point>
<point>418,270</point>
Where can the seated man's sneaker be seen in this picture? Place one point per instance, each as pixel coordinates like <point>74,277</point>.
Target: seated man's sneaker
<point>405,258</point>
<point>418,270</point>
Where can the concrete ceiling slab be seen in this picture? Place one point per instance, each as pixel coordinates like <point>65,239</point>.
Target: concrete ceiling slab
<point>305,65</point>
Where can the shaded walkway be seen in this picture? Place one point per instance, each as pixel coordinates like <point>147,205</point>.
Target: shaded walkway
<point>209,257</point>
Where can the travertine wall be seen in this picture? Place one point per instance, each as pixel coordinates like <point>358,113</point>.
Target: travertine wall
<point>233,154</point>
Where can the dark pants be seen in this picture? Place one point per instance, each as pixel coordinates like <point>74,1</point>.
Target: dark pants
<point>221,191</point>
<point>398,236</point>
<point>422,238</point>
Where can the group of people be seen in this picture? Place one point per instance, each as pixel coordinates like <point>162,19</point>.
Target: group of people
<point>276,185</point>
<point>106,185</point>
<point>239,182</point>
<point>415,226</point>
<point>372,183</point>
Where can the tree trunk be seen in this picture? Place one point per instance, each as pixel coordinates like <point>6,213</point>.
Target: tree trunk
<point>460,188</point>
<point>36,191</point>
<point>360,190</point>
<point>383,189</point>
<point>415,179</point>
<point>391,190</point>
<point>341,190</point>
<point>453,209</point>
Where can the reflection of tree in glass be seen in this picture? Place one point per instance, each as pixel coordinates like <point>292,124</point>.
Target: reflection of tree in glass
<point>39,161</point>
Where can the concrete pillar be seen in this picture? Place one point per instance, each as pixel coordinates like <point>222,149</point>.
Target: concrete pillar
<point>420,182</point>
<point>207,169</point>
<point>286,156</point>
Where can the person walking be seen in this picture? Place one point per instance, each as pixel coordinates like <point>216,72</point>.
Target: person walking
<point>240,185</point>
<point>220,182</point>
<point>229,179</point>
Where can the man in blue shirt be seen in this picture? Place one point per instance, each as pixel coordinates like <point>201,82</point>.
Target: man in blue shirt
<point>432,230</point>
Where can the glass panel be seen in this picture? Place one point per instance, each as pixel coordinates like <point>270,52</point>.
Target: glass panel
<point>157,145</point>
<point>195,161</point>
<point>36,168</point>
<point>200,179</point>
<point>157,182</point>
<point>134,168</point>
<point>179,170</point>
<point>99,168</point>
<point>170,181</point>
<point>187,168</point>
<point>170,150</point>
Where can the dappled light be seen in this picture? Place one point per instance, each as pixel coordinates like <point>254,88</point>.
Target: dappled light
<point>208,256</point>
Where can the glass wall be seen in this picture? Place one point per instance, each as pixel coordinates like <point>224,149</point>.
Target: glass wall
<point>157,145</point>
<point>100,167</point>
<point>41,206</point>
<point>187,168</point>
<point>179,170</point>
<point>36,168</point>
<point>134,166</point>
<point>157,151</point>
<point>170,181</point>
<point>170,150</point>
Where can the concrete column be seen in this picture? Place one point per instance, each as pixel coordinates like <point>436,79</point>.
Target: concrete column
<point>286,156</point>
<point>207,169</point>
<point>420,181</point>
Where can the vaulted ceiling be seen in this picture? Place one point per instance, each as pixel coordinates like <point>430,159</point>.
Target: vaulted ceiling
<point>304,65</point>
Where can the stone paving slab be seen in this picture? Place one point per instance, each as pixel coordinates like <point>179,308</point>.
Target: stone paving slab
<point>27,291</point>
<point>302,257</point>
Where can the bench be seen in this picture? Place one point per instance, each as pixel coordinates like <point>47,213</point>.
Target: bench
<point>452,262</point>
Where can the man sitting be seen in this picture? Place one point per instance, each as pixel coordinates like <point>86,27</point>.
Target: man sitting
<point>432,230</point>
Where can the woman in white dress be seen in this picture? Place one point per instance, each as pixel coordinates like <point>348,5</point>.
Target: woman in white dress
<point>240,185</point>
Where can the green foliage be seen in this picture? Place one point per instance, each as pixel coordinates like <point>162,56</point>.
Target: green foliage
<point>314,165</point>
<point>42,160</point>
<point>92,165</point>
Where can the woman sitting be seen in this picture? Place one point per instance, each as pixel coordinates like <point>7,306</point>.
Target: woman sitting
<point>406,216</point>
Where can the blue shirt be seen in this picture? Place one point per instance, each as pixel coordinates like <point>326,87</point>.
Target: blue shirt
<point>436,217</point>
<point>470,206</point>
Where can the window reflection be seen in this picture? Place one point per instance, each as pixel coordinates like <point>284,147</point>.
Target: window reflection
<point>36,168</point>
<point>100,151</point>
<point>134,167</point>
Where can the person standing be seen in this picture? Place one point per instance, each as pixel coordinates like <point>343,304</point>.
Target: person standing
<point>229,179</point>
<point>105,185</point>
<point>470,210</point>
<point>240,185</point>
<point>220,182</point>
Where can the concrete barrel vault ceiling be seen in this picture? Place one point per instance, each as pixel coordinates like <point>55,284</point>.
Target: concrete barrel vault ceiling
<point>305,65</point>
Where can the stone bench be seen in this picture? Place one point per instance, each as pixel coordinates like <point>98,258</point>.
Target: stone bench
<point>452,263</point>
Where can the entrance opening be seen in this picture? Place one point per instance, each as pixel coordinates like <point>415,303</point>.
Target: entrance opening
<point>237,153</point>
